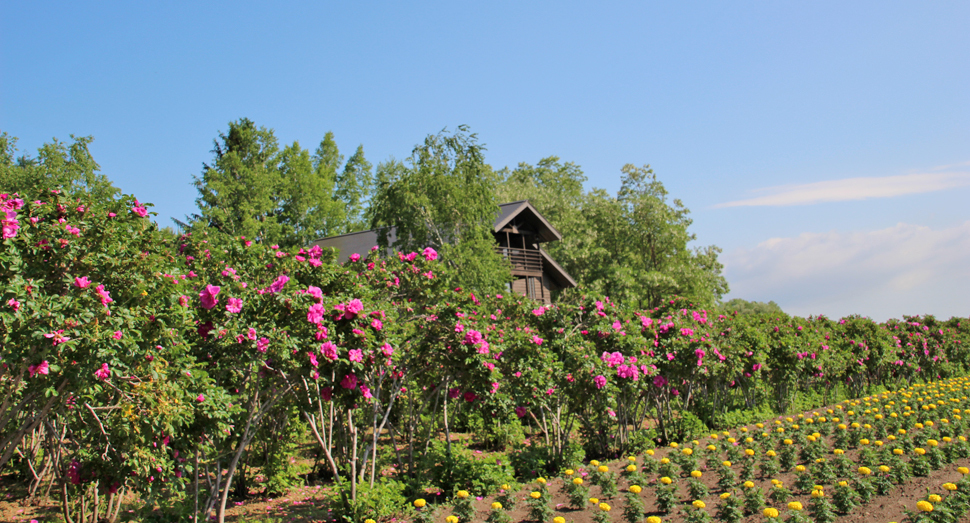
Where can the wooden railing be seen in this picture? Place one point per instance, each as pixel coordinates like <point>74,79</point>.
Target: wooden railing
<point>525,260</point>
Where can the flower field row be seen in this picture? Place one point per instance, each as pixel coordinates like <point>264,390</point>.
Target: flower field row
<point>137,362</point>
<point>814,467</point>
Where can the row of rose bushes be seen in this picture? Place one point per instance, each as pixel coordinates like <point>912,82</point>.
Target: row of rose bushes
<point>132,361</point>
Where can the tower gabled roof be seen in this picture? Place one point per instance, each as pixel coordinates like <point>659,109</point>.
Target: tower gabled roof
<point>523,212</point>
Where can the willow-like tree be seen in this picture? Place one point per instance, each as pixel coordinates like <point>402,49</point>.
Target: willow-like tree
<point>443,197</point>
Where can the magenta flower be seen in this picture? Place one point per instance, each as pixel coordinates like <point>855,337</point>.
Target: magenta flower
<point>537,340</point>
<point>234,305</point>
<point>82,282</point>
<point>470,396</point>
<point>353,307</point>
<point>659,381</point>
<point>387,350</point>
<point>139,210</point>
<point>315,314</point>
<point>41,368</point>
<point>262,344</point>
<point>366,392</point>
<point>103,373</point>
<point>200,398</point>
<point>117,335</point>
<point>313,359</point>
<point>454,392</point>
<point>208,296</point>
<point>377,324</point>
<point>329,351</point>
<point>600,381</point>
<point>356,355</point>
<point>349,381</point>
<point>278,284</point>
<point>105,295</point>
<point>521,411</point>
<point>326,393</point>
<point>355,257</point>
<point>430,254</point>
<point>13,304</point>
<point>57,337</point>
<point>184,300</point>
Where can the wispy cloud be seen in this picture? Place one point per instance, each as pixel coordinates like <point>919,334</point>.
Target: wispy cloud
<point>849,189</point>
<point>905,269</point>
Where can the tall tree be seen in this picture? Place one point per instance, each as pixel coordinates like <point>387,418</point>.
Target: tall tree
<point>444,198</point>
<point>355,186</point>
<point>67,166</point>
<point>238,191</point>
<point>308,210</point>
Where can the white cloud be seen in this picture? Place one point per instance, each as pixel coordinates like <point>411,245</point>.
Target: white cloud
<point>853,189</point>
<point>905,269</point>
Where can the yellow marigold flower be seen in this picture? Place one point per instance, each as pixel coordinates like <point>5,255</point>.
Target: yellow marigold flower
<point>687,451</point>
<point>650,452</point>
<point>594,463</point>
<point>462,494</point>
<point>653,519</point>
<point>570,472</point>
<point>577,481</point>
<point>603,468</point>
<point>505,486</point>
<point>838,452</point>
<point>698,504</point>
<point>632,459</point>
<point>788,441</point>
<point>451,519</point>
<point>664,460</point>
<point>535,495</point>
<point>795,505</point>
<point>884,469</point>
<point>541,481</point>
<point>631,468</point>
<point>594,501</point>
<point>775,482</point>
<point>924,506</point>
<point>817,493</point>
<point>635,489</point>
<point>725,495</point>
<point>963,470</point>
<point>800,468</point>
<point>863,441</point>
<point>420,502</point>
<point>748,452</point>
<point>558,519</point>
<point>919,451</point>
<point>369,521</point>
<point>932,442</point>
<point>934,498</point>
<point>732,440</point>
<point>842,426</point>
<point>673,444</point>
<point>949,486</point>
<point>726,463</point>
<point>771,512</point>
<point>695,474</point>
<point>496,505</point>
<point>898,452</point>
<point>711,448</point>
<point>780,430</point>
<point>843,483</point>
<point>865,471</point>
<point>604,507</point>
<point>771,453</point>
<point>947,439</point>
<point>666,481</point>
<point>748,484</point>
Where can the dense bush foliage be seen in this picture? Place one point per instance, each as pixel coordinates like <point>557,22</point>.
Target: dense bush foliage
<point>132,361</point>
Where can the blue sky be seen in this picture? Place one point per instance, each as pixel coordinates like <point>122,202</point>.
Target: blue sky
<point>825,146</point>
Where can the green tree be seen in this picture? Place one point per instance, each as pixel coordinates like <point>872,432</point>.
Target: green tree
<point>444,198</point>
<point>355,186</point>
<point>254,189</point>
<point>750,307</point>
<point>238,191</point>
<point>67,166</point>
